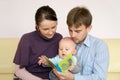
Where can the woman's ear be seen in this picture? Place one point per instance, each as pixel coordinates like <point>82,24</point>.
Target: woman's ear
<point>37,27</point>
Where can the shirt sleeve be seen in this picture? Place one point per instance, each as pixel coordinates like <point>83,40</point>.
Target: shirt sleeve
<point>100,67</point>
<point>77,65</point>
<point>55,60</point>
<point>22,52</point>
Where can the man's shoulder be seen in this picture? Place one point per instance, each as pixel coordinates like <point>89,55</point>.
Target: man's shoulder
<point>97,41</point>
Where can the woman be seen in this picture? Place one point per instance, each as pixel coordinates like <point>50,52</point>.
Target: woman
<point>43,41</point>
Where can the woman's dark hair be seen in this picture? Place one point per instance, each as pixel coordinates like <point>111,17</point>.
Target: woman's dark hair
<point>45,12</point>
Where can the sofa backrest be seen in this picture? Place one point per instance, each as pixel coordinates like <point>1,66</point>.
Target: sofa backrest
<point>8,48</point>
<point>114,49</point>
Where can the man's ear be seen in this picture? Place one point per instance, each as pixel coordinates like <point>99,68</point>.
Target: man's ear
<point>89,28</point>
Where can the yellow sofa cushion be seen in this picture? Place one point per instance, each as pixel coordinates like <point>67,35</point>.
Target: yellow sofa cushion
<point>8,48</point>
<point>114,49</point>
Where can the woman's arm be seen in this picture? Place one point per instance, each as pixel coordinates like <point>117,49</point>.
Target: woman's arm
<point>24,74</point>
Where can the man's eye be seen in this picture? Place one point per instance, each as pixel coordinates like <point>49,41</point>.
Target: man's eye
<point>78,31</point>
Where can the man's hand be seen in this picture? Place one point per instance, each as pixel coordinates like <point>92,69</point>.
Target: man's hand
<point>64,75</point>
<point>71,68</point>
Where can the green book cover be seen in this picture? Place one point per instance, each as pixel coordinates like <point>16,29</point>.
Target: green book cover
<point>65,63</point>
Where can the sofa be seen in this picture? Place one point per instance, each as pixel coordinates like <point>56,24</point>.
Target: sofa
<point>114,64</point>
<point>8,48</point>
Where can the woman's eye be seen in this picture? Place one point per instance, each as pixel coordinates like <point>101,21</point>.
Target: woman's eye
<point>45,29</point>
<point>54,27</point>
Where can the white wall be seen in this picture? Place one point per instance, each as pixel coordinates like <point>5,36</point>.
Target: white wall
<point>17,16</point>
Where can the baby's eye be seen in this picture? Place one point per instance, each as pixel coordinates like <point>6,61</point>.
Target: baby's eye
<point>66,49</point>
<point>60,49</point>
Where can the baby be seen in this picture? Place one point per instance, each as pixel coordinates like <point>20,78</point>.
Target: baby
<point>66,47</point>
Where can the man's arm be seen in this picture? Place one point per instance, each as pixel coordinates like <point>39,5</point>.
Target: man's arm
<point>64,76</point>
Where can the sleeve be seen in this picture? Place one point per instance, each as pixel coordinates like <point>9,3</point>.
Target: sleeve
<point>100,67</point>
<point>55,60</point>
<point>23,74</point>
<point>22,53</point>
<point>77,66</point>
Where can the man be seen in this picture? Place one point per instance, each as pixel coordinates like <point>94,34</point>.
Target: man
<point>92,52</point>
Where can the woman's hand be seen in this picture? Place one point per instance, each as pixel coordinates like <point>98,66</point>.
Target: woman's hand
<point>42,60</point>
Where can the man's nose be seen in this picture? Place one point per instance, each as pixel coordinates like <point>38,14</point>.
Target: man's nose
<point>73,34</point>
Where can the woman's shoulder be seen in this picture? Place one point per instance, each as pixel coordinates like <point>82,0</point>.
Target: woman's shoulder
<point>58,36</point>
<point>28,35</point>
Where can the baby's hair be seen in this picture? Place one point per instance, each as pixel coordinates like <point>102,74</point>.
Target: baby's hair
<point>70,42</point>
<point>67,38</point>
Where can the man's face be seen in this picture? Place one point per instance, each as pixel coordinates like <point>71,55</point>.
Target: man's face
<point>79,34</point>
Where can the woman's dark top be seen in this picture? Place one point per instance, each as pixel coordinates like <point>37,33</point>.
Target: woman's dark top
<point>31,46</point>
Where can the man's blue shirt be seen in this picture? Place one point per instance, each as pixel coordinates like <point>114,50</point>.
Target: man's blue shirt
<point>94,59</point>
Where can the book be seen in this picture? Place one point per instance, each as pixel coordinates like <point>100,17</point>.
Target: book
<point>50,64</point>
<point>63,65</point>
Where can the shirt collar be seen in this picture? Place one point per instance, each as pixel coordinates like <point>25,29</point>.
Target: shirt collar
<point>87,41</point>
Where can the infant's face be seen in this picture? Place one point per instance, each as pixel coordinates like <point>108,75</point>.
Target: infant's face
<point>65,48</point>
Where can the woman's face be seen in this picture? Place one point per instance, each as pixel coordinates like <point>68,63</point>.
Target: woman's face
<point>47,28</point>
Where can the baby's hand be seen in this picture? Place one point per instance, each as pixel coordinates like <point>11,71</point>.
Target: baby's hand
<point>42,60</point>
